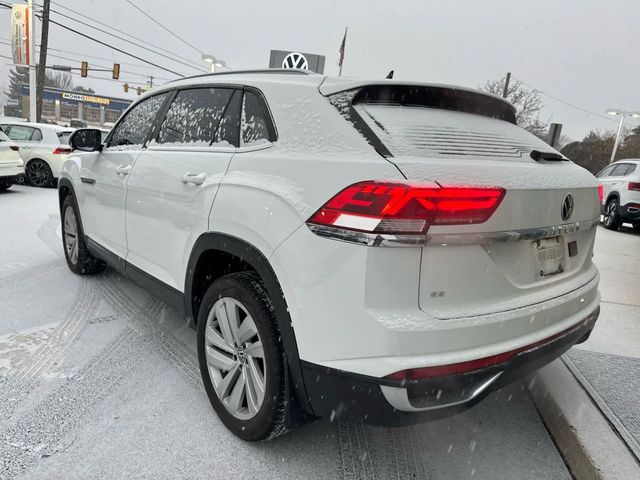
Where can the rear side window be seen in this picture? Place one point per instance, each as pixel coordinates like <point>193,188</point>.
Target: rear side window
<point>256,126</point>
<point>36,135</point>
<point>620,170</point>
<point>631,169</point>
<point>202,116</point>
<point>133,129</point>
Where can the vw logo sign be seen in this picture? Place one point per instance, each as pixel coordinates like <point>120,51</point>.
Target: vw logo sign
<point>295,60</point>
<point>567,207</point>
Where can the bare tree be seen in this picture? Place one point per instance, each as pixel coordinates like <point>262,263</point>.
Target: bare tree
<point>527,102</point>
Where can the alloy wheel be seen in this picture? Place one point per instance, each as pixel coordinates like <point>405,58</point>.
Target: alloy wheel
<point>235,358</point>
<point>609,213</point>
<point>38,173</point>
<point>71,235</point>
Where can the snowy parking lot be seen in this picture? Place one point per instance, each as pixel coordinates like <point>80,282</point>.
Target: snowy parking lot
<point>98,379</point>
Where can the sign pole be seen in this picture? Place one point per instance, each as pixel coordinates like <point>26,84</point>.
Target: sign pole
<point>31,39</point>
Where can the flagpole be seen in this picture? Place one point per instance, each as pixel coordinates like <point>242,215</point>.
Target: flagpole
<point>344,47</point>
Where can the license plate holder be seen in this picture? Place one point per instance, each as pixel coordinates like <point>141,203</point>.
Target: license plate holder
<point>549,254</point>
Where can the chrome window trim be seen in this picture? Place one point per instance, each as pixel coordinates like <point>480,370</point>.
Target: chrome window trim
<point>467,238</point>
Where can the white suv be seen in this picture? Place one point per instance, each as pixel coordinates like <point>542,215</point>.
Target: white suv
<point>43,148</point>
<point>378,252</point>
<point>620,200</point>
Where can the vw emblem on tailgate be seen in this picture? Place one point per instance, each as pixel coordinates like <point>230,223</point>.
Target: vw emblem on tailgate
<point>295,60</point>
<point>567,207</point>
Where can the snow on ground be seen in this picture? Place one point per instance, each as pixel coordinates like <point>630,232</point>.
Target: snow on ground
<point>98,379</point>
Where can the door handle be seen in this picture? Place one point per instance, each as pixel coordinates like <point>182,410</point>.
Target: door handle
<point>194,178</point>
<point>123,170</point>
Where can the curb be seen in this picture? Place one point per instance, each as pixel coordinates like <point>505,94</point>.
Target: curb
<point>589,445</point>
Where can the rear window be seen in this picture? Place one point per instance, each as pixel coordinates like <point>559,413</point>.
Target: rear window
<point>64,136</point>
<point>436,133</point>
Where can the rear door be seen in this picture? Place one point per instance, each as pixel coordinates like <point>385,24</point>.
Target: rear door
<point>174,181</point>
<point>104,175</point>
<point>26,137</point>
<point>535,246</point>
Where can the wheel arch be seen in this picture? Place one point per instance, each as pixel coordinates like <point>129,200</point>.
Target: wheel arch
<point>611,195</point>
<point>214,245</point>
<point>65,189</point>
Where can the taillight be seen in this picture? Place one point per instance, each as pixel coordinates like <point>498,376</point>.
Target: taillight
<point>405,208</point>
<point>62,150</point>
<point>634,186</point>
<point>15,148</point>
<point>601,193</point>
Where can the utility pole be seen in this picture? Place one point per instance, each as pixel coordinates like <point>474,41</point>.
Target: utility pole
<point>42,64</point>
<point>31,25</point>
<point>507,80</point>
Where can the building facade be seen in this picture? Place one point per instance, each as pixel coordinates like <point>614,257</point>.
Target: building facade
<point>62,106</point>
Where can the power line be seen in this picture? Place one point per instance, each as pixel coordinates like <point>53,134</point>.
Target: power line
<point>565,102</point>
<point>126,33</point>
<point>115,48</point>
<point>165,28</point>
<point>199,68</point>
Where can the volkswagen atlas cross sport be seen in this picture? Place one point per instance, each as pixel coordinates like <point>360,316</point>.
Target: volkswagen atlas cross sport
<point>372,251</point>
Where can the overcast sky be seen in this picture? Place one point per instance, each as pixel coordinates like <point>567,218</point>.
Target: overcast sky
<point>584,52</point>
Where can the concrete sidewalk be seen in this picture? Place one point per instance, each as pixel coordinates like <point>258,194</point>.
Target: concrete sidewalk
<point>590,398</point>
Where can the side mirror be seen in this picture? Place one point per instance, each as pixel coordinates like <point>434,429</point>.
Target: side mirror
<point>86,140</point>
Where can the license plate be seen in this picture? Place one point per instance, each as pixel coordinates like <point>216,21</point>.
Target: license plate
<point>549,255</point>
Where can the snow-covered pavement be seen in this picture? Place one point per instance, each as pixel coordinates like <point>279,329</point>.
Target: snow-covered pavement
<point>98,379</point>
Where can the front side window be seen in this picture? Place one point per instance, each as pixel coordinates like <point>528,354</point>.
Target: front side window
<point>256,125</point>
<point>133,129</point>
<point>605,172</point>
<point>201,117</point>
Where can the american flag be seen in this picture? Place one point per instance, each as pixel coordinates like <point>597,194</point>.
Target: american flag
<point>344,41</point>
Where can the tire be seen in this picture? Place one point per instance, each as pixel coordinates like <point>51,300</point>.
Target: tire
<point>611,220</point>
<point>38,174</point>
<point>222,352</point>
<point>636,227</point>
<point>78,258</point>
<point>5,185</point>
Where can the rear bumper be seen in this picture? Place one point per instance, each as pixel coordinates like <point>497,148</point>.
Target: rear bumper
<point>337,394</point>
<point>630,212</point>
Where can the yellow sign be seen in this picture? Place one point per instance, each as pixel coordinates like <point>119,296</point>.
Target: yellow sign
<point>85,98</point>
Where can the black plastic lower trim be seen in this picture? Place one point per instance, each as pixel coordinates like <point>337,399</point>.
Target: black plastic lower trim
<point>164,292</point>
<point>341,395</point>
<point>630,216</point>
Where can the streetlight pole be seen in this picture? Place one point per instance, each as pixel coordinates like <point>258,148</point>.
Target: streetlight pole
<point>213,62</point>
<point>623,114</point>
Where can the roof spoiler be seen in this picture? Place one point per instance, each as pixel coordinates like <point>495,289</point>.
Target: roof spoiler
<point>421,95</point>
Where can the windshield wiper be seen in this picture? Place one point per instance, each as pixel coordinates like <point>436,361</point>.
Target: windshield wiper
<point>549,156</point>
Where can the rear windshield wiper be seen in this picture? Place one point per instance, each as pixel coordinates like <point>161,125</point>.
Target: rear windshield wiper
<point>549,156</point>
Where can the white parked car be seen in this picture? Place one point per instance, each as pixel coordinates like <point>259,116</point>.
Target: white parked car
<point>43,148</point>
<point>620,200</point>
<point>11,165</point>
<point>373,251</point>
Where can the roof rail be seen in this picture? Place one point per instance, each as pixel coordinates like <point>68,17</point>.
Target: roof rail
<point>281,71</point>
